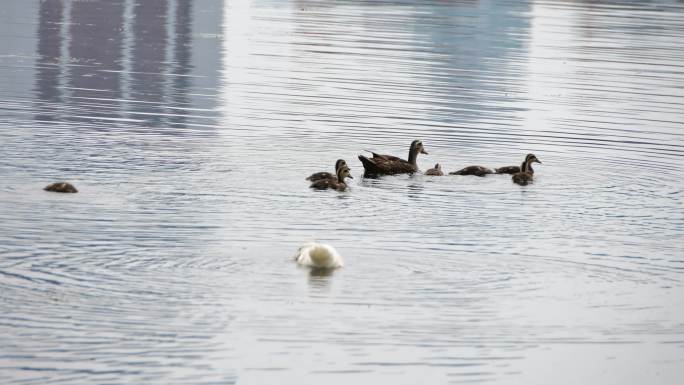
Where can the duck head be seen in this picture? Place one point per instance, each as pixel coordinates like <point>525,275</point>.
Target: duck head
<point>532,158</point>
<point>340,163</point>
<point>343,172</point>
<point>417,147</point>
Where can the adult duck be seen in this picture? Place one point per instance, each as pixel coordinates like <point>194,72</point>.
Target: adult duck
<point>327,175</point>
<point>336,183</point>
<point>390,165</point>
<point>516,169</point>
<point>525,177</point>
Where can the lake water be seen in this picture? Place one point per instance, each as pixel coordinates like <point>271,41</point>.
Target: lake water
<point>189,127</point>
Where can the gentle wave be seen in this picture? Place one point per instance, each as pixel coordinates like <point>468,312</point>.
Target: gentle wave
<point>189,129</point>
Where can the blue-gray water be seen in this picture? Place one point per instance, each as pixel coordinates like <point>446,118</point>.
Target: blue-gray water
<point>189,127</point>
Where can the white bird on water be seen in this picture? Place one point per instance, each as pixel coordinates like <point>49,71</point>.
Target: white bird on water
<point>318,255</point>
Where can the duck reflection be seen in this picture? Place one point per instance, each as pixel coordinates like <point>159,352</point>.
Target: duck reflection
<point>320,278</point>
<point>415,189</point>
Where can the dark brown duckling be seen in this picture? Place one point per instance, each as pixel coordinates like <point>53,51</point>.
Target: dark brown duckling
<point>435,171</point>
<point>391,165</point>
<point>525,177</point>
<point>336,183</point>
<point>61,187</point>
<point>508,169</point>
<point>514,169</point>
<point>327,175</point>
<point>473,170</point>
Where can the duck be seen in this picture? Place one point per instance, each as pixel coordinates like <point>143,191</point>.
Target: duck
<point>336,183</point>
<point>524,176</point>
<point>473,170</point>
<point>61,187</point>
<point>435,171</point>
<point>318,255</point>
<point>327,175</point>
<point>515,169</point>
<point>391,165</point>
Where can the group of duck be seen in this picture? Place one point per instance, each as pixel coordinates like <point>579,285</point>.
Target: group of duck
<point>379,165</point>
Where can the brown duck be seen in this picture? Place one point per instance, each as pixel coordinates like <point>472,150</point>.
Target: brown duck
<point>514,169</point>
<point>435,171</point>
<point>525,177</point>
<point>334,183</point>
<point>327,175</point>
<point>473,170</point>
<point>390,165</point>
<point>61,187</point>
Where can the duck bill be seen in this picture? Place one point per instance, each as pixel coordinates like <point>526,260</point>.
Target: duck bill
<point>423,152</point>
<point>350,177</point>
<point>537,161</point>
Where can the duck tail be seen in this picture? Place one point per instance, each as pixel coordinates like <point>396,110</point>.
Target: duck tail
<point>375,154</point>
<point>367,163</point>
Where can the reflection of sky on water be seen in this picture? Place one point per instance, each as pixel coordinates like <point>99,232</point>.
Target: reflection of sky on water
<point>189,127</point>
<point>442,71</point>
<point>606,88</point>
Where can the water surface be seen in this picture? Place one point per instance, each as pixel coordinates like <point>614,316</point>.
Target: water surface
<point>189,127</point>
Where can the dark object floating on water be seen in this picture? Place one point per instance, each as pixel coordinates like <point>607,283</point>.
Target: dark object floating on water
<point>526,176</point>
<point>61,187</point>
<point>335,183</point>
<point>326,175</point>
<point>435,171</point>
<point>391,165</point>
<point>473,170</point>
<point>515,169</point>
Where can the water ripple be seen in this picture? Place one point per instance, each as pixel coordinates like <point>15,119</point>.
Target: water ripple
<point>189,129</point>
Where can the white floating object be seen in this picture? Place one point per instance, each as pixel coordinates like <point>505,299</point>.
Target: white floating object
<point>318,255</point>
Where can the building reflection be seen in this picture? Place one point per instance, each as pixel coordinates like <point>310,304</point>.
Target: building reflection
<point>122,61</point>
<point>149,67</point>
<point>50,24</point>
<point>182,61</point>
<point>95,57</point>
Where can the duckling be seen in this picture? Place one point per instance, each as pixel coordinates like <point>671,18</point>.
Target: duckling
<point>390,165</point>
<point>327,175</point>
<point>507,169</point>
<point>61,187</point>
<point>318,255</point>
<point>435,171</point>
<point>525,177</point>
<point>333,183</point>
<point>473,170</point>
<point>515,169</point>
